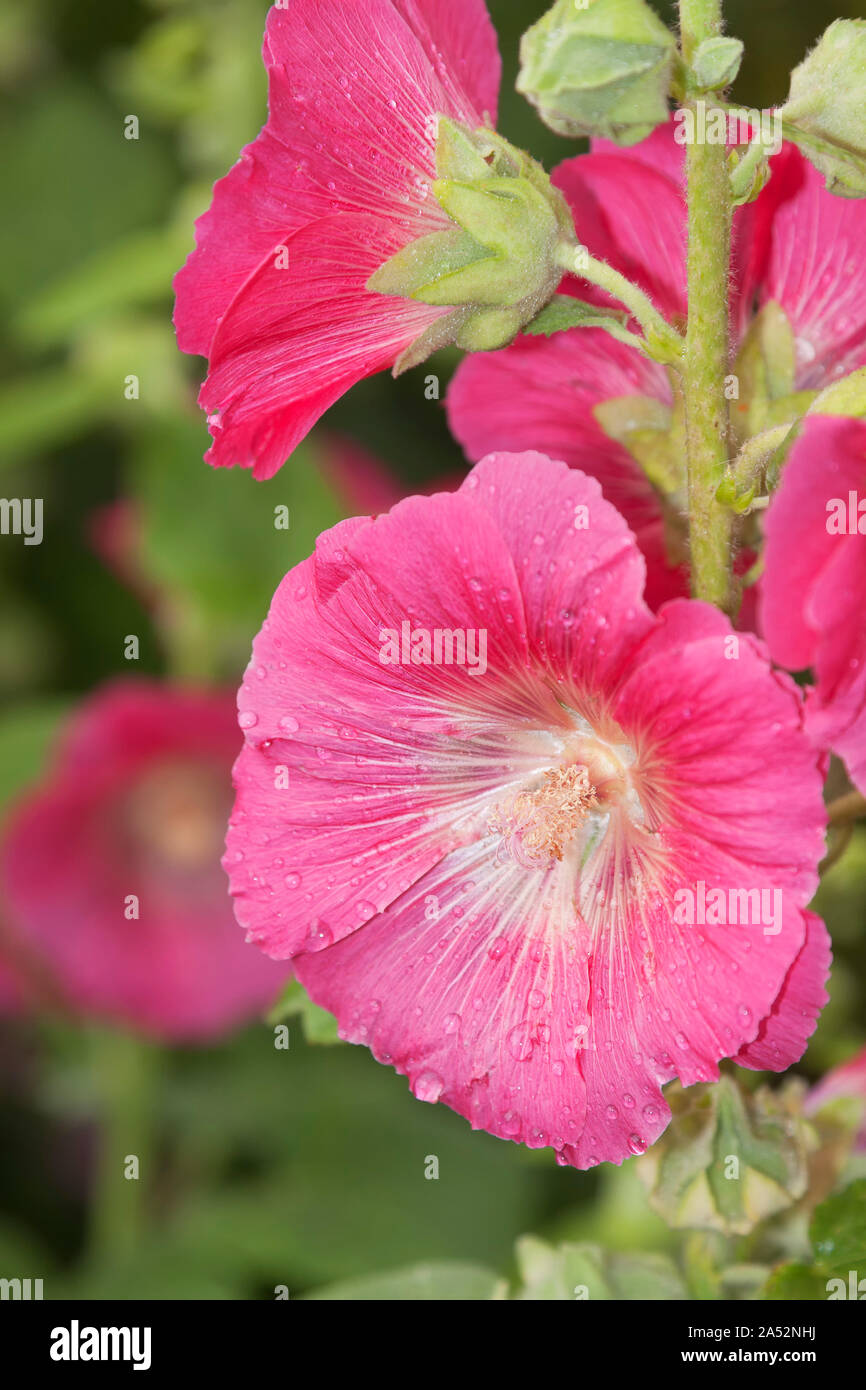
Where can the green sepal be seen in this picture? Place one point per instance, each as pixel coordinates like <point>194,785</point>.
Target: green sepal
<point>495,267</point>
<point>847,396</point>
<point>715,63</point>
<point>564,311</point>
<point>648,429</point>
<point>424,263</point>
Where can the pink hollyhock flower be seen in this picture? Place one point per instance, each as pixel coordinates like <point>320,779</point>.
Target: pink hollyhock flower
<point>129,821</point>
<point>813,593</point>
<point>797,245</point>
<point>481,783</point>
<point>846,1080</point>
<point>337,182</point>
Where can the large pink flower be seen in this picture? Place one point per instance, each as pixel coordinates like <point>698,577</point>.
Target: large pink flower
<point>337,182</point>
<point>813,593</point>
<point>110,870</point>
<point>480,864</point>
<point>798,245</point>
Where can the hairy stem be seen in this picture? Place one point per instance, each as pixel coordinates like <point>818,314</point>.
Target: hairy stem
<point>705,365</point>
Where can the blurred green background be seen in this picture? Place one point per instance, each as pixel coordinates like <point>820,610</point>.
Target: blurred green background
<point>294,1168</point>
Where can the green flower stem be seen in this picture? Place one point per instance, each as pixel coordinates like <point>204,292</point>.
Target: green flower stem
<point>662,339</point>
<point>124,1069</point>
<point>705,365</point>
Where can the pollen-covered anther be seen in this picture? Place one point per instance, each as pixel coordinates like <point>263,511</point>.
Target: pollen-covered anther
<point>537,826</point>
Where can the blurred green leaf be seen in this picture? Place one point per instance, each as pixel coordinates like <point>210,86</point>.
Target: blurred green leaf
<point>319,1026</point>
<point>134,271</point>
<point>429,1282</point>
<point>213,539</point>
<point>838,1237</point>
<point>584,1271</point>
<point>72,184</point>
<point>39,411</point>
<point>27,733</point>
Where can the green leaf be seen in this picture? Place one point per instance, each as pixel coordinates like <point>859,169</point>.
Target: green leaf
<point>64,137</point>
<point>579,1271</point>
<point>27,734</point>
<point>210,539</point>
<point>319,1026</point>
<point>420,1283</point>
<point>135,271</point>
<point>838,1238</point>
<point>47,408</point>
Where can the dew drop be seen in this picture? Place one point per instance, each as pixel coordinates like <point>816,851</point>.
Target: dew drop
<point>428,1086</point>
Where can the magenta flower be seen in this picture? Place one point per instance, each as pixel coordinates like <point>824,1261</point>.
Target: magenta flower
<point>482,783</point>
<point>813,592</point>
<point>337,182</point>
<point>111,879</point>
<point>849,1079</point>
<point>797,246</point>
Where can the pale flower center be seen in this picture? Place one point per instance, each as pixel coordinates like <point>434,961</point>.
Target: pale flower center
<point>176,816</point>
<point>537,826</point>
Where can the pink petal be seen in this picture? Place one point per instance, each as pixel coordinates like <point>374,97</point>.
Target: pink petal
<point>280,357</point>
<point>547,1003</point>
<point>632,214</point>
<point>815,267</point>
<point>464,987</point>
<point>353,100</point>
<point>813,592</point>
<point>540,394</point>
<point>385,734</point>
<point>784,1033</point>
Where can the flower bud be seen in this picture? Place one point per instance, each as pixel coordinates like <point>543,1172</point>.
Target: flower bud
<point>730,1160</point>
<point>600,68</point>
<point>716,63</point>
<point>825,113</point>
<point>496,264</point>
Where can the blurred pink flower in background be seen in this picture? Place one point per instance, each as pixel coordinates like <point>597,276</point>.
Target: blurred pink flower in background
<point>474,864</point>
<point>337,182</point>
<point>110,869</point>
<point>813,591</point>
<point>797,245</point>
<point>849,1079</point>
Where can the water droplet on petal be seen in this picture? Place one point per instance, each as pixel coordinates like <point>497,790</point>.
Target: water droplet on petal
<point>428,1086</point>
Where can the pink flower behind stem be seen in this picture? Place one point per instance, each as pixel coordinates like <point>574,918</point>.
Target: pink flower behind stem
<point>337,182</point>
<point>797,245</point>
<point>813,592</point>
<point>134,808</point>
<point>475,865</point>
